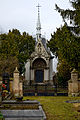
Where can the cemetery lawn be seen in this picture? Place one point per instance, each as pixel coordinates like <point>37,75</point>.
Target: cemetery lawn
<point>57,109</point>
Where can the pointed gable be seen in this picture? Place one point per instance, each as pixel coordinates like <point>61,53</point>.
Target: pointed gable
<point>40,50</point>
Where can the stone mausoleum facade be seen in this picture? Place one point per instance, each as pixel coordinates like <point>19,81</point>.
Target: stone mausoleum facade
<point>39,68</point>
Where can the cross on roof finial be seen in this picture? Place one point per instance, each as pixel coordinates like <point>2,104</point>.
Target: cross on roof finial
<point>38,7</point>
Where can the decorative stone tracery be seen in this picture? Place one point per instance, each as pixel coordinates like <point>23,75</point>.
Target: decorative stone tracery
<point>39,63</point>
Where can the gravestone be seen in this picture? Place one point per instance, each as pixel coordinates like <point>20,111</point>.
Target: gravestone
<point>0,93</point>
<point>5,82</point>
<point>23,114</point>
<point>74,84</point>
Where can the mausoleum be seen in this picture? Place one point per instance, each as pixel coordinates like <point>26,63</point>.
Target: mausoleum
<point>39,68</point>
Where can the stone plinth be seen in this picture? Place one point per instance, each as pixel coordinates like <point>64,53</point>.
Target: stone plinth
<point>73,87</point>
<point>73,84</point>
<point>15,113</point>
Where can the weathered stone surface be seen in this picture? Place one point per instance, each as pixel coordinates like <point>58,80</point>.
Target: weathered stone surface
<point>36,114</point>
<point>74,75</point>
<point>74,84</point>
<point>16,83</point>
<point>73,87</point>
<point>21,89</point>
<point>40,59</point>
<point>23,119</point>
<point>20,102</point>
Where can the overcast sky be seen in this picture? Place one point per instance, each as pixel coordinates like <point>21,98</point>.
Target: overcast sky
<point>22,15</point>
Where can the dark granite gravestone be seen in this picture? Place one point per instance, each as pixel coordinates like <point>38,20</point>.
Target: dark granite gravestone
<point>5,81</point>
<point>0,97</point>
<point>0,93</point>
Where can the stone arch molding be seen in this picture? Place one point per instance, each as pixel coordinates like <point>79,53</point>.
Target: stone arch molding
<point>39,63</point>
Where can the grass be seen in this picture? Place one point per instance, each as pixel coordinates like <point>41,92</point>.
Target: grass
<point>56,108</point>
<point>1,116</point>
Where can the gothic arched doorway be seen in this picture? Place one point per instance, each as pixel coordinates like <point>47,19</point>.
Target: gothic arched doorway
<point>39,65</point>
<point>39,76</point>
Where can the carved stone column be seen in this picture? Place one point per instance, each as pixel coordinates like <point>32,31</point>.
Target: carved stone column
<point>16,83</point>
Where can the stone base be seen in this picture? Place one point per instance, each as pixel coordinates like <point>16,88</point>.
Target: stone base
<point>73,88</point>
<point>23,114</point>
<point>73,94</point>
<point>16,93</point>
<point>32,82</point>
